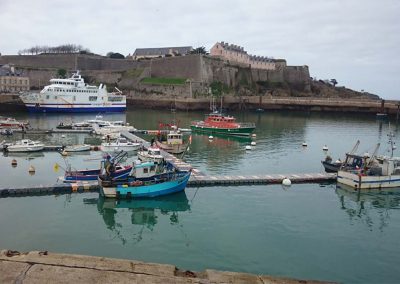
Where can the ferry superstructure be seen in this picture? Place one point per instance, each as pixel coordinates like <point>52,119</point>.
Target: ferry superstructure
<point>74,95</point>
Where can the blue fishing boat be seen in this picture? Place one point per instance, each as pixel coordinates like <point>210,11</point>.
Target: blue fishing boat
<point>110,165</point>
<point>159,185</point>
<point>93,174</point>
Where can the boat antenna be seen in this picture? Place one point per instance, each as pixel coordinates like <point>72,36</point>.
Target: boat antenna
<point>391,141</point>
<point>119,91</point>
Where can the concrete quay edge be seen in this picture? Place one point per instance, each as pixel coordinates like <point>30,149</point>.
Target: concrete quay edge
<point>47,267</point>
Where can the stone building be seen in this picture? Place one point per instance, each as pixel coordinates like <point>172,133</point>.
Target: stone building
<point>160,52</point>
<point>235,53</point>
<point>12,80</point>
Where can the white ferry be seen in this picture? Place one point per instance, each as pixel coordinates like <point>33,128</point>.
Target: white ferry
<point>74,95</point>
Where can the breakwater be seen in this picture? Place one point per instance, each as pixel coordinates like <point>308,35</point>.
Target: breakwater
<point>270,103</point>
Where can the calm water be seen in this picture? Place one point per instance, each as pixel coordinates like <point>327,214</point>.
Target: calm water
<point>305,231</point>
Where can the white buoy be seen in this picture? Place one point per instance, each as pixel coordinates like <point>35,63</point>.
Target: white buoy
<point>253,143</point>
<point>325,148</point>
<point>210,137</point>
<point>286,182</point>
<point>304,144</point>
<point>64,153</point>
<point>31,170</point>
<point>62,136</point>
<point>248,147</point>
<point>254,135</point>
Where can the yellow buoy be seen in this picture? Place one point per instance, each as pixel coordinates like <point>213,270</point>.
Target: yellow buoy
<point>14,163</point>
<point>56,167</point>
<point>31,170</point>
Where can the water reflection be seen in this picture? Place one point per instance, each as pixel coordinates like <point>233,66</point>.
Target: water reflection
<point>144,214</point>
<point>24,155</point>
<point>370,207</point>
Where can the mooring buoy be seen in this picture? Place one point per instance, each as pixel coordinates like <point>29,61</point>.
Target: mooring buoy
<point>286,182</point>
<point>14,163</point>
<point>31,170</point>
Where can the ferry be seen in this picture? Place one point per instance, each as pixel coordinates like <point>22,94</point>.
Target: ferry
<point>74,95</point>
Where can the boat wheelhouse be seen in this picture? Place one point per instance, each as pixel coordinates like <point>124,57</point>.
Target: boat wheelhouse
<point>74,95</point>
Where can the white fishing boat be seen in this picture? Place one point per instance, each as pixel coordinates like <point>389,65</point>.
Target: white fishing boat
<point>78,148</point>
<point>120,144</point>
<point>174,142</point>
<point>374,172</point>
<point>74,95</point>
<point>25,145</point>
<point>151,154</point>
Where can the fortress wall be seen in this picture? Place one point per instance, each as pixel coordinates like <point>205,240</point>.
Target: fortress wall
<point>188,66</point>
<point>71,62</point>
<point>66,61</point>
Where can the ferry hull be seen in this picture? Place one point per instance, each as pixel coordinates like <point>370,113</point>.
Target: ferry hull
<point>36,109</point>
<point>367,182</point>
<point>244,131</point>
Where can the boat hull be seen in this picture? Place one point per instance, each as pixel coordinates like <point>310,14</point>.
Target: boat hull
<point>81,109</point>
<point>331,167</point>
<point>25,149</point>
<point>172,148</point>
<point>147,191</point>
<point>117,148</point>
<point>89,175</point>
<point>357,181</point>
<point>242,131</point>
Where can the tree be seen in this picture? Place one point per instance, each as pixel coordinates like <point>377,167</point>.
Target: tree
<point>61,73</point>
<point>218,88</point>
<point>334,82</point>
<point>115,55</point>
<point>199,50</point>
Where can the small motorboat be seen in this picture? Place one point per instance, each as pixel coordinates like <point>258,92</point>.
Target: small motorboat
<point>120,144</point>
<point>25,145</point>
<point>151,154</point>
<point>12,123</point>
<point>6,131</point>
<point>78,148</point>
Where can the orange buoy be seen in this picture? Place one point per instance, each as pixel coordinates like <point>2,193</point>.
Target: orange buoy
<point>14,163</point>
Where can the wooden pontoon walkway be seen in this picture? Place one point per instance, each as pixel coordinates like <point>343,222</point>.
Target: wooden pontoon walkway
<point>197,178</point>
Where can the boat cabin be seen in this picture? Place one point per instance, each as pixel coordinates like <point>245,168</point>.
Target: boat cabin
<point>174,138</point>
<point>142,170</point>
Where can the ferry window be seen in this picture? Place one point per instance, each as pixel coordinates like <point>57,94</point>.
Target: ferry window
<point>145,170</point>
<point>55,97</point>
<point>47,97</point>
<point>74,98</point>
<point>92,98</point>
<point>152,168</point>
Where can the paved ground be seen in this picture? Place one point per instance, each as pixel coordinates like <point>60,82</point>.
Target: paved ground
<point>44,267</point>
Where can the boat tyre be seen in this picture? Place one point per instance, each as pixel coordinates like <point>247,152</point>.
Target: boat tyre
<point>136,183</point>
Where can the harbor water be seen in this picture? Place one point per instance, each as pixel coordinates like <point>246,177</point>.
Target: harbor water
<point>307,231</point>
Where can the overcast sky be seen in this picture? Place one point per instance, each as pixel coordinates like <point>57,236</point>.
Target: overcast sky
<point>357,42</point>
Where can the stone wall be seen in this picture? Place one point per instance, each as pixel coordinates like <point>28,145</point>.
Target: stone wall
<point>188,67</point>
<point>71,62</point>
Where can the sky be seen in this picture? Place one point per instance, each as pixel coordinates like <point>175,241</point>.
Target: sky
<point>356,42</point>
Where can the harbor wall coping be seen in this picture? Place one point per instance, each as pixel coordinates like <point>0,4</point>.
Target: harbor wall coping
<point>47,267</point>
